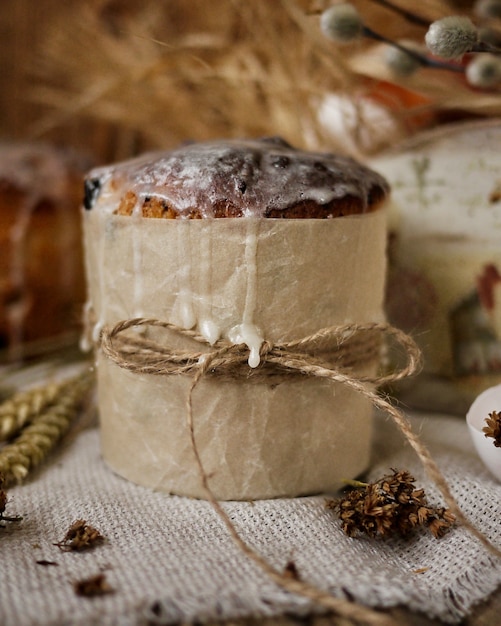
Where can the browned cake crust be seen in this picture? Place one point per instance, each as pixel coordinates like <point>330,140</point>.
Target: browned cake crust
<point>250,178</point>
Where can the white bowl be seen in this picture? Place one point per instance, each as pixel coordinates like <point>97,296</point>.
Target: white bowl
<point>487,401</point>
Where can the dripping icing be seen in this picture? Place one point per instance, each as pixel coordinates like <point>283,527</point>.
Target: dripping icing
<point>247,332</point>
<point>208,327</point>
<point>186,312</point>
<point>101,272</point>
<point>137,257</point>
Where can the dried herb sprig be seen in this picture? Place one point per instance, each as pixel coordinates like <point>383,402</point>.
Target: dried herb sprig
<point>32,446</point>
<point>80,536</point>
<point>389,506</point>
<point>493,427</point>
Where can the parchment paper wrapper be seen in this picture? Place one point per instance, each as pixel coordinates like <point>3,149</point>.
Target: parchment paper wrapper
<point>256,440</point>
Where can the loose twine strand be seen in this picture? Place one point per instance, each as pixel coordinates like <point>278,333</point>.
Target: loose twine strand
<point>140,355</point>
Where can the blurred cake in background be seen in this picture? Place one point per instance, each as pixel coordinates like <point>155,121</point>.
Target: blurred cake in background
<point>444,282</point>
<point>41,273</point>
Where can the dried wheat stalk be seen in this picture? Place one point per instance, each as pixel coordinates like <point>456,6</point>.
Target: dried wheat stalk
<point>50,414</point>
<point>192,71</point>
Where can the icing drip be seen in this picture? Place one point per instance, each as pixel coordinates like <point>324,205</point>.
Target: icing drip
<point>85,343</point>
<point>210,330</point>
<point>251,336</point>
<point>247,332</point>
<point>208,327</point>
<point>101,261</point>
<point>185,297</point>
<point>137,260</point>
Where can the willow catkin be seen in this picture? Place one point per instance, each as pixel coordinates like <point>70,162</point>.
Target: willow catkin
<point>451,37</point>
<point>46,428</point>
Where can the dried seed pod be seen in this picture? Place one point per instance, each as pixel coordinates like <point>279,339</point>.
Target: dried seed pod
<point>389,506</point>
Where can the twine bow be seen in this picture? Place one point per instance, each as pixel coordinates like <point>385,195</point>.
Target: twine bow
<point>342,348</point>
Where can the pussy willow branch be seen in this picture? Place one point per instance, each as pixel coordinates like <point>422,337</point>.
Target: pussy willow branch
<point>422,59</point>
<point>410,16</point>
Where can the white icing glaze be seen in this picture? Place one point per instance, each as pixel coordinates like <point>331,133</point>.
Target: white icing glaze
<point>101,311</point>
<point>253,177</point>
<point>207,325</point>
<point>137,253</point>
<point>85,343</point>
<point>188,318</point>
<point>189,294</point>
<point>251,336</point>
<point>247,332</point>
<point>210,330</point>
<point>186,312</point>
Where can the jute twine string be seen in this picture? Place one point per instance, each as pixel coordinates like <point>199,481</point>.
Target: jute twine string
<point>345,346</point>
<point>140,355</point>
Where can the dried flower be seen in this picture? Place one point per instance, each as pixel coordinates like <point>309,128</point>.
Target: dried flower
<point>389,506</point>
<point>80,536</point>
<point>93,586</point>
<point>493,427</point>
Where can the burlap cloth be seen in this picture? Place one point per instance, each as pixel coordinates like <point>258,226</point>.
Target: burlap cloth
<point>170,559</point>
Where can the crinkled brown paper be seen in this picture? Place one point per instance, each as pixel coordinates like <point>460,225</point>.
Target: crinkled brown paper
<point>256,440</point>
